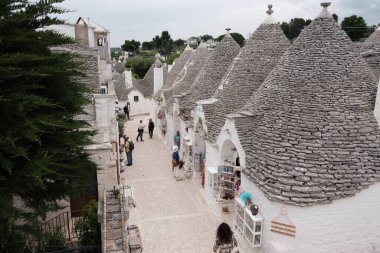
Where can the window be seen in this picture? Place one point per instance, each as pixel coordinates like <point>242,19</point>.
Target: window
<point>103,89</point>
<point>136,98</point>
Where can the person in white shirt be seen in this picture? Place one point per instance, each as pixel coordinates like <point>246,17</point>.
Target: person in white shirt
<point>140,131</point>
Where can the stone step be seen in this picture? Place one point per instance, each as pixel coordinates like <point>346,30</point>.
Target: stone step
<point>113,216</point>
<point>114,245</point>
<point>113,234</point>
<point>112,224</point>
<point>113,208</point>
<point>111,201</point>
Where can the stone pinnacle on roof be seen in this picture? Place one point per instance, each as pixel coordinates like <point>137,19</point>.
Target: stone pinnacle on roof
<point>269,11</point>
<point>269,19</point>
<point>325,13</point>
<point>228,30</point>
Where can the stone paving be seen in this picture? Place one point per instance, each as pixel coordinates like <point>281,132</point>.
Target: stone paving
<point>172,215</point>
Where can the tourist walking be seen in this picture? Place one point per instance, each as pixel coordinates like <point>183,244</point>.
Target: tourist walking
<point>140,130</point>
<point>128,147</point>
<point>177,139</point>
<point>127,109</point>
<point>151,128</point>
<point>175,162</point>
<point>225,241</point>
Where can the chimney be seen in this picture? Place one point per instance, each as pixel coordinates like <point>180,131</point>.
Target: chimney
<point>128,78</point>
<point>158,76</point>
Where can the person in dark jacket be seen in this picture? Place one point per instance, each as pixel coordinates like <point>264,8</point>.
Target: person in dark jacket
<point>175,162</point>
<point>151,128</point>
<point>127,109</point>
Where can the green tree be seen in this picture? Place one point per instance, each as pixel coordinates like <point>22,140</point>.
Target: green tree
<point>294,27</point>
<point>147,45</point>
<point>335,17</point>
<point>88,226</point>
<point>355,27</point>
<point>236,36</point>
<point>139,65</point>
<point>42,143</point>
<point>179,43</point>
<point>172,57</point>
<point>206,37</point>
<point>131,46</point>
<point>163,44</point>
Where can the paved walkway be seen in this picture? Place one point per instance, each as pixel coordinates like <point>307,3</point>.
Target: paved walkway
<point>173,217</point>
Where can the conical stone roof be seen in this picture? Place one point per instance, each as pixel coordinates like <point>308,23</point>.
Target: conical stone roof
<point>146,85</point>
<point>313,137</point>
<point>209,77</point>
<point>374,37</point>
<point>188,74</point>
<point>247,72</point>
<point>179,63</point>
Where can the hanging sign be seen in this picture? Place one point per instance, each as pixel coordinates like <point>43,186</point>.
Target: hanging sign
<point>283,225</point>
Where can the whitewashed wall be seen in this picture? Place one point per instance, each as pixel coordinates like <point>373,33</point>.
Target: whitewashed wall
<point>143,106</point>
<point>348,225</point>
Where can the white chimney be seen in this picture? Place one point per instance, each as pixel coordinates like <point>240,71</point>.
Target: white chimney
<point>128,78</point>
<point>158,76</point>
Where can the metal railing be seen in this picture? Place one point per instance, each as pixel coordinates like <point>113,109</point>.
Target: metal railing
<point>65,223</point>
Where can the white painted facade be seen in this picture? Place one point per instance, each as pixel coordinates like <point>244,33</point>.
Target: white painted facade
<point>347,225</point>
<point>142,106</point>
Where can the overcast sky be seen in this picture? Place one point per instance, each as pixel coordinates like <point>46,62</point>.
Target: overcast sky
<point>143,19</point>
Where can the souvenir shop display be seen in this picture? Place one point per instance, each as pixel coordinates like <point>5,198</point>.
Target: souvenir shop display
<point>247,223</point>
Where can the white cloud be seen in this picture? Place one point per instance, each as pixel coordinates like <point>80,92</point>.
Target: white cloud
<point>143,19</point>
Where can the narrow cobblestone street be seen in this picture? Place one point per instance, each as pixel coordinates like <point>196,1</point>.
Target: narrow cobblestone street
<point>172,215</point>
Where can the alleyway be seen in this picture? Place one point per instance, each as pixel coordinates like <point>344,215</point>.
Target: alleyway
<point>172,215</point>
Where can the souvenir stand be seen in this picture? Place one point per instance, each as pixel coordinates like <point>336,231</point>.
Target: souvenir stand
<point>247,225</point>
<point>227,178</point>
<point>188,156</point>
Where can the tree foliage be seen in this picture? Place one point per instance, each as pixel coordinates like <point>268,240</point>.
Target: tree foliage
<point>179,43</point>
<point>131,46</point>
<point>206,37</point>
<point>42,155</point>
<point>88,227</point>
<point>172,57</point>
<point>139,65</point>
<point>164,43</point>
<point>294,27</point>
<point>335,17</point>
<point>355,27</point>
<point>236,36</point>
<point>147,45</point>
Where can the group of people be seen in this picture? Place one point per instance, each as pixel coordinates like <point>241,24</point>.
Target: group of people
<point>141,128</point>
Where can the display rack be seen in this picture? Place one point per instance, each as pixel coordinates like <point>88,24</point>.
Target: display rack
<point>248,225</point>
<point>226,183</point>
<point>188,155</point>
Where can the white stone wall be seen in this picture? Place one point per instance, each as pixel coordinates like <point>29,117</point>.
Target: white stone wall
<point>91,37</point>
<point>348,225</point>
<point>143,106</point>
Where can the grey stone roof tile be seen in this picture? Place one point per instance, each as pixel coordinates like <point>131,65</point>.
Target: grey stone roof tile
<point>313,137</point>
<point>249,69</point>
<point>146,85</point>
<point>188,74</point>
<point>179,63</point>
<point>209,77</point>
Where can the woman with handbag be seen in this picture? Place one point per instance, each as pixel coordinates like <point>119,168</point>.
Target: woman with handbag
<point>225,241</point>
<point>175,161</point>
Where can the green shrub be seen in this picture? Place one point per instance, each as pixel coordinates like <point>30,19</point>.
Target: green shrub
<point>87,226</point>
<point>139,65</point>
